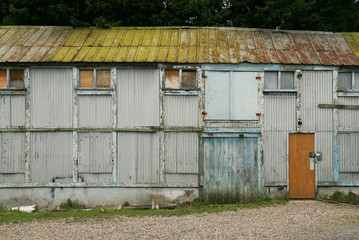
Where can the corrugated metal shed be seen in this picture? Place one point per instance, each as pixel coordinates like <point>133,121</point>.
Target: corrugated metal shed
<point>175,45</point>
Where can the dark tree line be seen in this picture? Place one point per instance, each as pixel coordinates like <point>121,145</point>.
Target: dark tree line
<point>325,15</point>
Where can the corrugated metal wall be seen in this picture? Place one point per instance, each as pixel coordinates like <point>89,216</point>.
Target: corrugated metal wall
<point>138,97</point>
<point>317,88</point>
<point>279,118</point>
<point>12,157</point>
<point>348,117</point>
<point>138,157</point>
<point>51,97</point>
<point>51,157</point>
<point>181,111</point>
<point>348,157</point>
<point>95,111</point>
<point>12,111</point>
<point>95,157</point>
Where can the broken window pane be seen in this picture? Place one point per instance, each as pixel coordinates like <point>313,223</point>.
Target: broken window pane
<point>189,79</point>
<point>344,81</point>
<point>17,78</point>
<point>271,80</point>
<point>3,78</point>
<point>287,80</point>
<point>172,79</point>
<point>356,81</point>
<point>86,79</point>
<point>103,78</point>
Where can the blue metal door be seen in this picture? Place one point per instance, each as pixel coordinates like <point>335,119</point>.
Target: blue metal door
<point>230,168</point>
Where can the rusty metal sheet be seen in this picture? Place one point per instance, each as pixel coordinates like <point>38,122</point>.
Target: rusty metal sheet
<point>4,39</point>
<point>251,47</point>
<point>312,55</point>
<point>319,50</point>
<point>30,54</point>
<point>329,51</point>
<point>349,44</point>
<point>232,46</point>
<point>262,54</point>
<point>40,54</point>
<point>299,48</point>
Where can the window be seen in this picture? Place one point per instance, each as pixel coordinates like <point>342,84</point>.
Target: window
<point>180,79</point>
<point>348,81</point>
<point>12,78</point>
<point>95,78</point>
<point>278,80</point>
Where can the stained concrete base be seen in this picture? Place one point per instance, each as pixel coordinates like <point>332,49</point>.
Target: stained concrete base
<point>90,197</point>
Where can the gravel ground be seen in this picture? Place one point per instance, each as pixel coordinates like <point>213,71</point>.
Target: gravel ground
<point>295,220</point>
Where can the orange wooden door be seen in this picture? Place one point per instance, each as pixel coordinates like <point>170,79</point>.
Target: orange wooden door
<point>301,170</point>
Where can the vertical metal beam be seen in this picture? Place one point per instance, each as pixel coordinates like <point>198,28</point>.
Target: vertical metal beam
<point>260,156</point>
<point>27,124</point>
<point>335,126</point>
<point>161,132</point>
<point>201,85</point>
<point>75,74</point>
<point>114,124</point>
<point>200,96</point>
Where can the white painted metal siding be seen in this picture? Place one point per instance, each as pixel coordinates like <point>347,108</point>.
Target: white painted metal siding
<point>51,97</point>
<point>95,111</point>
<point>325,167</point>
<point>138,97</point>
<point>182,178</point>
<point>316,88</point>
<point>12,111</point>
<point>181,152</point>
<point>12,152</point>
<point>138,157</point>
<point>348,153</point>
<point>275,157</point>
<point>51,157</point>
<point>280,112</point>
<point>348,117</point>
<point>181,111</point>
<point>95,153</point>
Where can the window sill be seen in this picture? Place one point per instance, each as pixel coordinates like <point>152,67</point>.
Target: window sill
<point>13,91</point>
<point>191,92</point>
<point>280,91</point>
<point>348,94</point>
<point>94,91</point>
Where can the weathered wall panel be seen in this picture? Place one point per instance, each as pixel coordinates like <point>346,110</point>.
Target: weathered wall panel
<point>51,97</point>
<point>138,157</point>
<point>316,88</point>
<point>95,111</point>
<point>325,167</point>
<point>348,117</point>
<point>17,110</point>
<point>181,152</point>
<point>231,124</point>
<point>348,153</point>
<point>230,169</point>
<point>95,152</point>
<point>275,157</point>
<point>138,97</point>
<point>4,111</point>
<point>181,111</point>
<point>12,152</point>
<point>51,157</point>
<point>95,178</point>
<point>349,177</point>
<point>280,113</point>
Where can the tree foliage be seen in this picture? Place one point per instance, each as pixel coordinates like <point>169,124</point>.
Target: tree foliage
<point>327,15</point>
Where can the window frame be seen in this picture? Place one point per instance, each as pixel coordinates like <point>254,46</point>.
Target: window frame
<point>352,82</point>
<point>180,89</point>
<point>94,88</point>
<point>8,79</point>
<point>279,82</point>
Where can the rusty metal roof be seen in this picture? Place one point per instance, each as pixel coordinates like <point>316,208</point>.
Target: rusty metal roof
<point>175,45</point>
<point>353,40</point>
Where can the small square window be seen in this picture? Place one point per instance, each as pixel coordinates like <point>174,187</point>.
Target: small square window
<point>279,80</point>
<point>344,81</point>
<point>180,79</point>
<point>95,78</point>
<point>16,78</point>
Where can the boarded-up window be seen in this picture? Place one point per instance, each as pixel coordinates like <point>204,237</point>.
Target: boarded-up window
<point>86,79</point>
<point>231,95</point>
<point>95,78</point>
<point>17,78</point>
<point>3,78</point>
<point>180,79</point>
<point>103,78</point>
